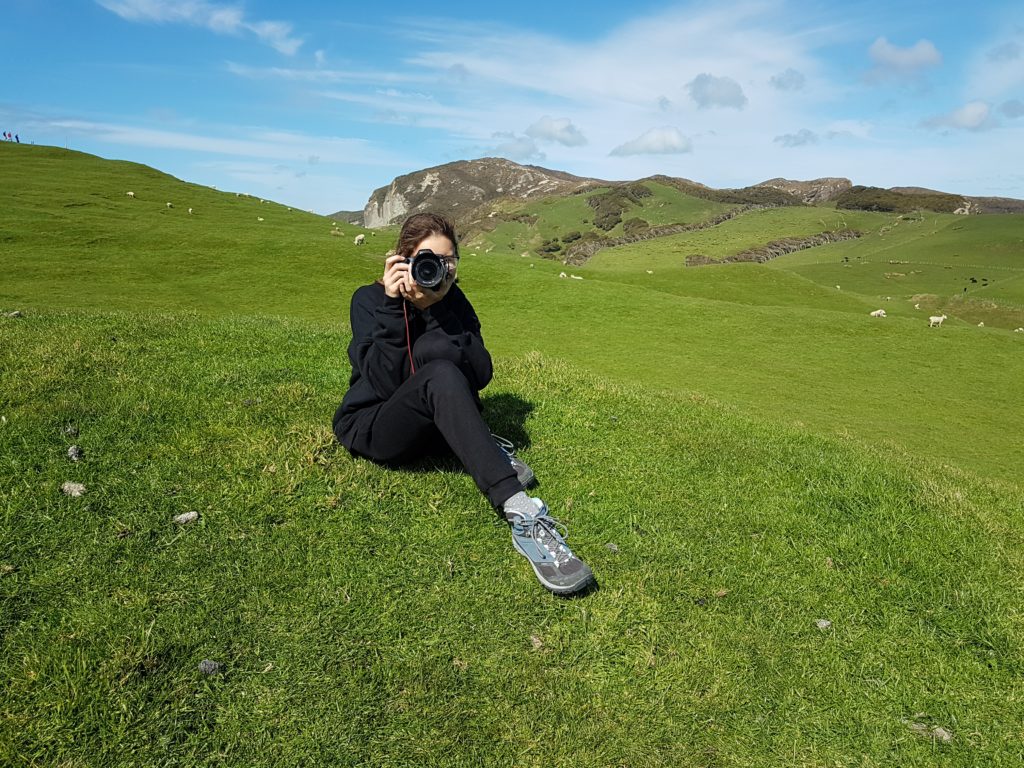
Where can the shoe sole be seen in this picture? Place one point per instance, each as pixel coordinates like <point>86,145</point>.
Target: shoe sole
<point>560,590</point>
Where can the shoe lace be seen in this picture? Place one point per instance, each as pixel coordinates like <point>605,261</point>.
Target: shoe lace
<point>505,444</point>
<point>548,533</point>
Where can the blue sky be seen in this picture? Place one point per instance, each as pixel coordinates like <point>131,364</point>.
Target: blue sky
<point>316,104</point>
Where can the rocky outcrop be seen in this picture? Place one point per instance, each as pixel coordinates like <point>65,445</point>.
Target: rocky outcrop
<point>458,188</point>
<point>777,248</point>
<point>811,192</point>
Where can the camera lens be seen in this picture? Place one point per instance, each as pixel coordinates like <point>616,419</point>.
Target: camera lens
<point>428,269</point>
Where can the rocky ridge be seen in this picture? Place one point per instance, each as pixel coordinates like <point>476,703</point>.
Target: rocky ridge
<point>461,186</point>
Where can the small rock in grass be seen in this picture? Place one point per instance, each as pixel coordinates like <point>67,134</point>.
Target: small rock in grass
<point>823,624</point>
<point>7,568</point>
<point>612,547</point>
<point>74,453</point>
<point>73,489</point>
<point>124,533</point>
<point>71,430</point>
<point>536,642</point>
<point>209,667</point>
<point>941,734</point>
<point>460,664</point>
<point>186,517</point>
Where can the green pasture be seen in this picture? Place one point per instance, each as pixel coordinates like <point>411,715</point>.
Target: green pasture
<point>764,339</point>
<point>746,231</point>
<point>558,216</point>
<point>767,596</point>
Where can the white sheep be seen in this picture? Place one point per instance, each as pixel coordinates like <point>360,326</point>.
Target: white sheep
<point>981,324</point>
<point>1018,330</point>
<point>878,313</point>
<point>259,218</point>
<point>917,306</point>
<point>169,205</point>
<point>935,320</point>
<point>131,195</point>
<point>575,277</point>
<point>359,239</point>
<point>562,274</point>
<point>189,211</point>
<point>650,271</point>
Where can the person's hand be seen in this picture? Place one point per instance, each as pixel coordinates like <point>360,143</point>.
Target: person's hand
<point>396,276</point>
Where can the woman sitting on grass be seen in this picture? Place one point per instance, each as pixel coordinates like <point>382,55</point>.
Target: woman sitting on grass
<point>418,365</point>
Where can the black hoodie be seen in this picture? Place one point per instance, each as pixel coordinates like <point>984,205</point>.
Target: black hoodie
<point>379,350</point>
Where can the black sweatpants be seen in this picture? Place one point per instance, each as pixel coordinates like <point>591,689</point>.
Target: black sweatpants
<point>437,401</point>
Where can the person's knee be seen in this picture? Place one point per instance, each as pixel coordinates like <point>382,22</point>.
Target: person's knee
<point>435,345</point>
<point>444,382</point>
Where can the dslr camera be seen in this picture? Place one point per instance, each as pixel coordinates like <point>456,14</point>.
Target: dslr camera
<point>427,268</point>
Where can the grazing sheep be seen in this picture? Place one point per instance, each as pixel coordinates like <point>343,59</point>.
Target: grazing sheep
<point>575,277</point>
<point>169,205</point>
<point>1018,330</point>
<point>838,288</point>
<point>935,320</point>
<point>917,306</point>
<point>878,313</point>
<point>259,218</point>
<point>562,274</point>
<point>359,239</point>
<point>650,271</point>
<point>189,211</point>
<point>131,195</point>
<point>981,324</point>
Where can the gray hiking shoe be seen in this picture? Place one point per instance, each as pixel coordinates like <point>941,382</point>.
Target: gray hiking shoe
<point>524,474</point>
<point>539,539</point>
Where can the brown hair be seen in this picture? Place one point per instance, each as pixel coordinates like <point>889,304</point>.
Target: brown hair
<point>419,227</point>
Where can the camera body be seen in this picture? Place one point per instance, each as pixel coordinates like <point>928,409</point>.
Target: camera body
<point>428,269</point>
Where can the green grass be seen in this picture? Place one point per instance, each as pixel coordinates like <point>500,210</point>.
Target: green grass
<point>759,338</point>
<point>558,216</point>
<point>377,617</point>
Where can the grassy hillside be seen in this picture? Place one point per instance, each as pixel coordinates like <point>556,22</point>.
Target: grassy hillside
<point>764,340</point>
<point>768,597</point>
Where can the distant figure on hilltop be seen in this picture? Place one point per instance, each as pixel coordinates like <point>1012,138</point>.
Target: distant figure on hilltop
<point>418,365</point>
<point>17,139</point>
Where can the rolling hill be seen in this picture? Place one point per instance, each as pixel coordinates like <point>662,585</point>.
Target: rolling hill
<point>806,523</point>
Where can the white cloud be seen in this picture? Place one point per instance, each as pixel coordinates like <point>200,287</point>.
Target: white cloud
<point>892,62</point>
<point>657,141</point>
<point>973,116</point>
<point>710,91</point>
<point>265,145</point>
<point>522,149</point>
<point>560,130</point>
<point>1009,51</point>
<point>790,80</point>
<point>857,129</point>
<point>1013,108</point>
<point>801,138</point>
<point>223,20</point>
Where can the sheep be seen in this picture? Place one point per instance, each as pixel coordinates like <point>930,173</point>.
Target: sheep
<point>935,320</point>
<point>575,277</point>
<point>917,306</point>
<point>259,218</point>
<point>1018,330</point>
<point>131,195</point>
<point>650,271</point>
<point>189,211</point>
<point>169,205</point>
<point>838,288</point>
<point>359,239</point>
<point>562,274</point>
<point>878,313</point>
<point>981,324</point>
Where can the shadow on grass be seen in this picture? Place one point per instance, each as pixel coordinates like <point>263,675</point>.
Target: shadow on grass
<point>505,415</point>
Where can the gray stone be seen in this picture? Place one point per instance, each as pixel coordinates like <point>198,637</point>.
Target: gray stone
<point>74,453</point>
<point>186,518</point>
<point>209,667</point>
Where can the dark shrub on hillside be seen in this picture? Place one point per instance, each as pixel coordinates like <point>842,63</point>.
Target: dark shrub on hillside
<point>635,226</point>
<point>609,206</point>
<point>550,246</point>
<point>876,199</point>
<point>568,237</point>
